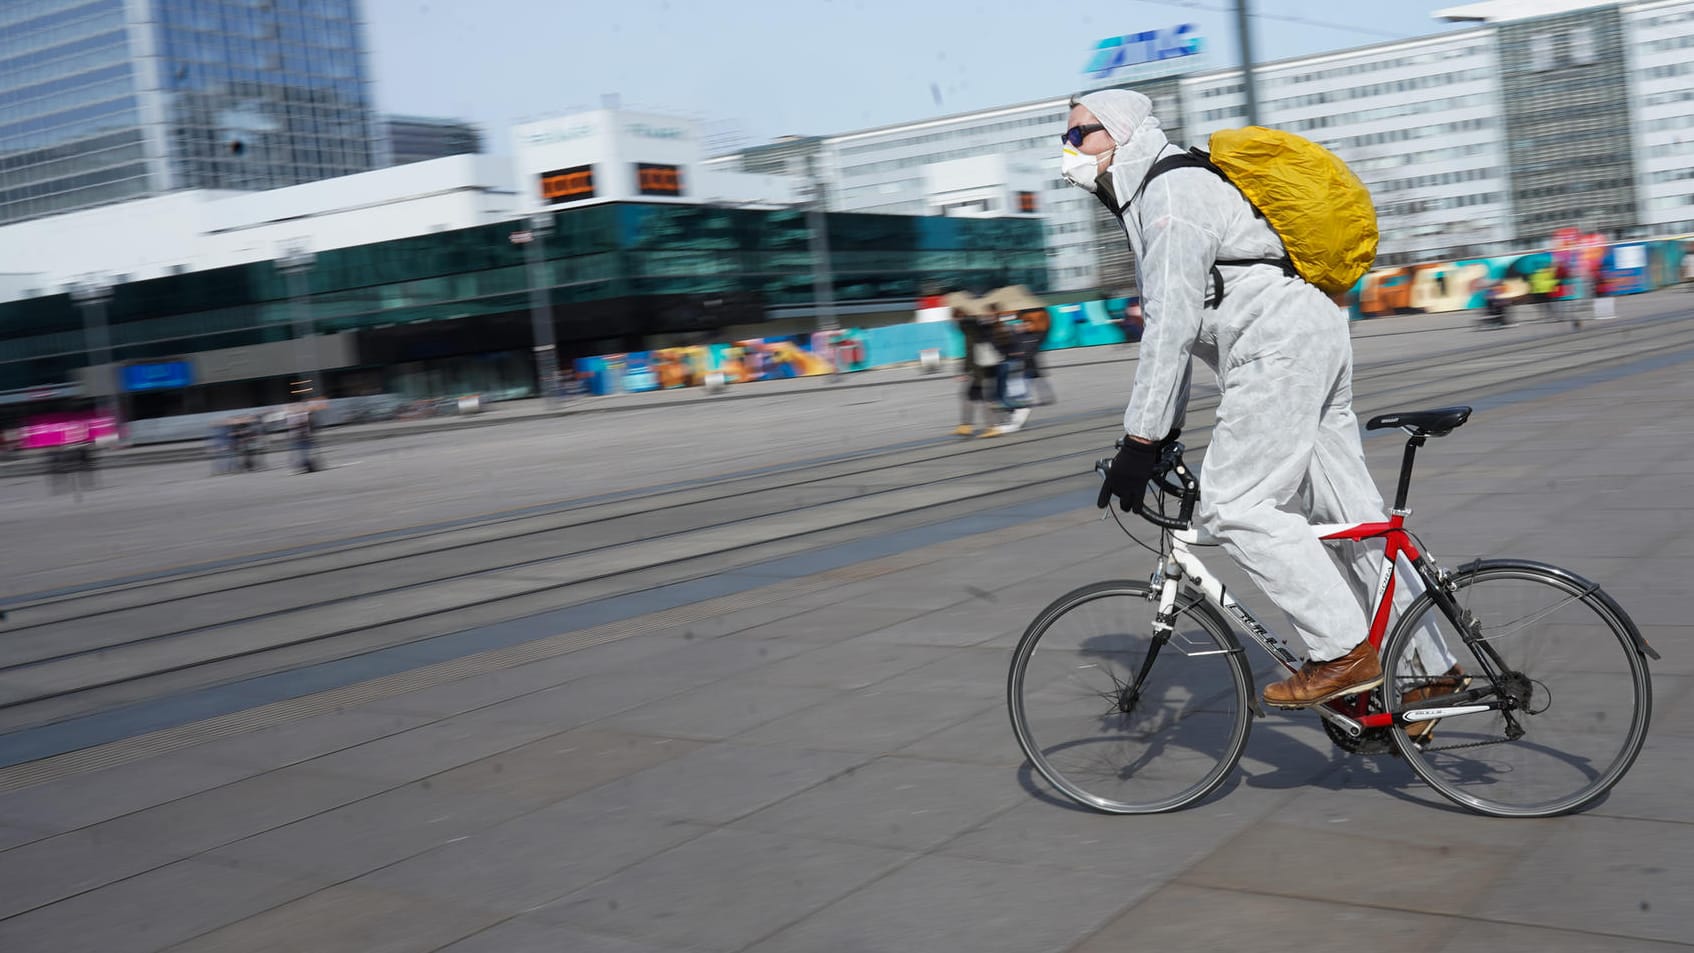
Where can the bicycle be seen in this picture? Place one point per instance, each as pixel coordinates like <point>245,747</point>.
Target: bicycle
<point>1132,711</point>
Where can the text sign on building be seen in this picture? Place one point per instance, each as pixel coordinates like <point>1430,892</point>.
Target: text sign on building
<point>653,179</point>
<point>568,185</point>
<point>1148,54</point>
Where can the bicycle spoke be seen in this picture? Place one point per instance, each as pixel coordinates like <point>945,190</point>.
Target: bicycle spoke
<point>1571,691</point>
<point>1091,656</point>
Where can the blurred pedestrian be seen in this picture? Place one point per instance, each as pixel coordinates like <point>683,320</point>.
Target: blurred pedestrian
<point>302,438</point>
<point>1028,332</point>
<point>1542,282</point>
<point>221,437</point>
<point>981,363</point>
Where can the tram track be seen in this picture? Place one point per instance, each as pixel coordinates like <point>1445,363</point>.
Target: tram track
<point>62,646</point>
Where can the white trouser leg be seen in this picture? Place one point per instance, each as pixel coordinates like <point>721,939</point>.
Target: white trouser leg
<point>1260,455</point>
<point>1340,490</point>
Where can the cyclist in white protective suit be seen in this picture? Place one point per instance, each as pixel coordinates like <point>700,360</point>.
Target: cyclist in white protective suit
<point>1285,451</point>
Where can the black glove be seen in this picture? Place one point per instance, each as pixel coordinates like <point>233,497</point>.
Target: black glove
<point>1131,469</point>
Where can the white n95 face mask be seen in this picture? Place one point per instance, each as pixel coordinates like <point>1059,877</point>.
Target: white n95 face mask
<point>1082,170</point>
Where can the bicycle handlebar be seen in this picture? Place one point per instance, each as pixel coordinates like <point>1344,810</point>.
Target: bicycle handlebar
<point>1175,478</point>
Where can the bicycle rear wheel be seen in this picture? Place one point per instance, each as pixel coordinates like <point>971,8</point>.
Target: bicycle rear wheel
<point>1069,698</point>
<point>1581,690</point>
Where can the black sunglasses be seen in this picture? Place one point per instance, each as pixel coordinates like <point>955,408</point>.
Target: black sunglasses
<point>1074,135</point>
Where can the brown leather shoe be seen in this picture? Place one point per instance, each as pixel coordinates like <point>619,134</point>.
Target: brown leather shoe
<point>1453,680</point>
<point>1319,682</point>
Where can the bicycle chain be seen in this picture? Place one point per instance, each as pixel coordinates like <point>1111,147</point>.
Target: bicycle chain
<point>1472,744</point>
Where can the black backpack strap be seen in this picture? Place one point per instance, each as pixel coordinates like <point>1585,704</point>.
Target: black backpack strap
<point>1286,265</point>
<point>1195,158</point>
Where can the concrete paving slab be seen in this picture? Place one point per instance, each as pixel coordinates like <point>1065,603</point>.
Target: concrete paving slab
<point>1413,820</point>
<point>945,904</point>
<point>211,819</point>
<point>948,628</point>
<point>828,624</point>
<point>535,859</point>
<point>743,619</point>
<point>983,738</point>
<point>1673,705</point>
<point>357,838</point>
<point>53,869</point>
<point>713,659</point>
<point>1182,918</point>
<point>1290,860</point>
<point>976,672</point>
<point>720,782</point>
<point>561,765</point>
<point>291,742</point>
<point>469,694</point>
<point>80,800</point>
<point>1518,938</point>
<point>147,912</point>
<point>852,664</point>
<point>884,593</point>
<point>1655,788</point>
<point>1049,831</point>
<point>579,702</point>
<point>871,720</point>
<point>347,918</point>
<point>526,935</point>
<point>724,890</point>
<point>898,803</point>
<point>1636,879</point>
<point>717,711</point>
<point>13,836</point>
<point>431,748</point>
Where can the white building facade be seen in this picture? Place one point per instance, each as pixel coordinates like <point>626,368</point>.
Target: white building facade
<point>1428,125</point>
<point>1419,122</point>
<point>1661,45</point>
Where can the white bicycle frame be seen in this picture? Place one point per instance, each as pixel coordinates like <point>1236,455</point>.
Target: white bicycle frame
<point>1181,564</point>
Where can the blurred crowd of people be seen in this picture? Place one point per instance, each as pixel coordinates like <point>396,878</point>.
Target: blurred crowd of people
<point>239,444</point>
<point>1003,379</point>
<point>1558,291</point>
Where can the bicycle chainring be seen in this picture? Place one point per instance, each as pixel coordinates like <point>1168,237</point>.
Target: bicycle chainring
<point>1373,741</point>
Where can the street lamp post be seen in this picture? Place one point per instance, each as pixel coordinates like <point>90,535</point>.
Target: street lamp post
<point>1244,29</point>
<point>91,295</point>
<point>823,283</point>
<point>540,307</point>
<point>295,263</point>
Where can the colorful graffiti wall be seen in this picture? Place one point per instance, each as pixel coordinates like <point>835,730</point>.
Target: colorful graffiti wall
<point>1592,267</point>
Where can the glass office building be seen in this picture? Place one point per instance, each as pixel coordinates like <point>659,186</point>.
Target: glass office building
<point>449,312</point>
<point>107,100</point>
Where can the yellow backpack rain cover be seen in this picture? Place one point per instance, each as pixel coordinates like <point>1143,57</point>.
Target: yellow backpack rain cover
<point>1318,207</point>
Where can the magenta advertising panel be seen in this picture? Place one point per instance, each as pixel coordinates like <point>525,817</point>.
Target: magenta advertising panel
<point>63,430</point>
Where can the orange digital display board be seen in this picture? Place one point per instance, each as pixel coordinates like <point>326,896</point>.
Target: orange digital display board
<point>653,179</point>
<point>568,185</point>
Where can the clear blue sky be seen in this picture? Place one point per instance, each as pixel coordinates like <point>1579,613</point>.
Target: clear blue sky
<point>764,68</point>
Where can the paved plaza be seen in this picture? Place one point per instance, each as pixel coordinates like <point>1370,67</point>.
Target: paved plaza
<point>812,752</point>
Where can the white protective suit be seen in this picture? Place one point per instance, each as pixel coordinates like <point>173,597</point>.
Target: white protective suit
<point>1286,450</point>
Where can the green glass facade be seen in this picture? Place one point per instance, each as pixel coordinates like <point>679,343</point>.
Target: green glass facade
<point>617,273</point>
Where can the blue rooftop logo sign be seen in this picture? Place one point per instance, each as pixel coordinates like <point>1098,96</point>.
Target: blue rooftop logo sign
<point>1141,55</point>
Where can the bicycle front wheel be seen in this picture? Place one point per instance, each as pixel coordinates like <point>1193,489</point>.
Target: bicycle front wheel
<point>1099,739</point>
<point>1558,648</point>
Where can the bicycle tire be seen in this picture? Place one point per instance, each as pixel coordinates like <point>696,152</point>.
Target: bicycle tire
<point>1573,646</point>
<point>1198,686</point>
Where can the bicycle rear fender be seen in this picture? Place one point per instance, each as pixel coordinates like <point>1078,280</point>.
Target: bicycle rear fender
<point>1593,588</point>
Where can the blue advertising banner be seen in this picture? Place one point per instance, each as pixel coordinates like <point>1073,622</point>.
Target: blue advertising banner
<point>168,375</point>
